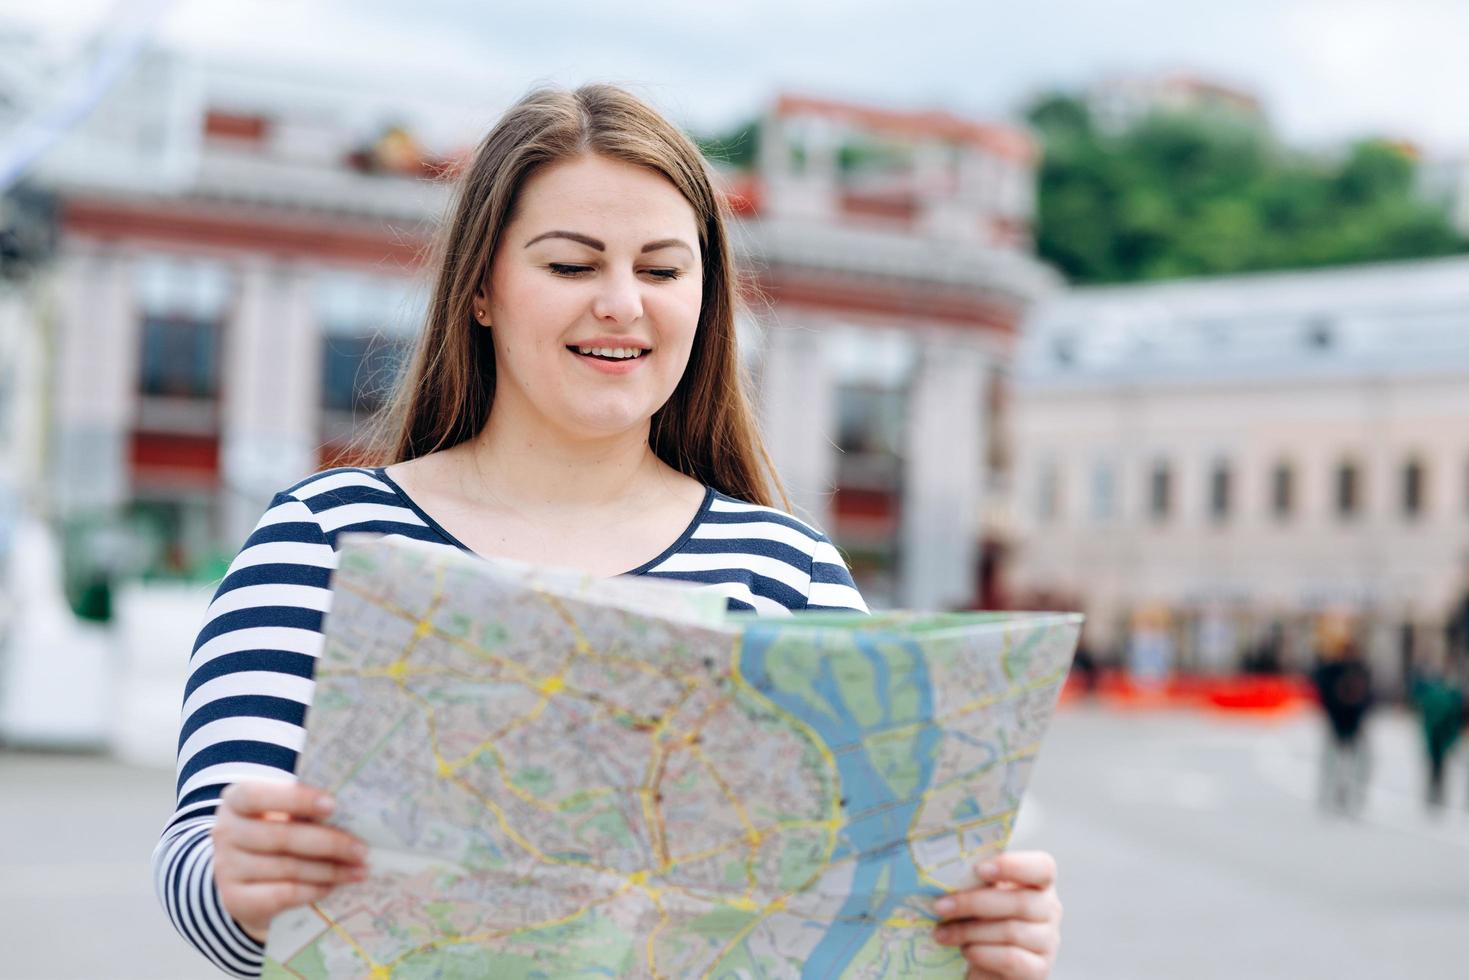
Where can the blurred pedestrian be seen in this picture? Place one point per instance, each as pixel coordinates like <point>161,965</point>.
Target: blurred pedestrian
<point>1084,666</point>
<point>1343,684</point>
<point>1440,702</point>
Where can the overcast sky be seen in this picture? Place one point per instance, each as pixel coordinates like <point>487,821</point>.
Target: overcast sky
<point>1327,70</point>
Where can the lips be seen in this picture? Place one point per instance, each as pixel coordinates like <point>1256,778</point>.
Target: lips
<point>609,365</point>
<point>610,353</point>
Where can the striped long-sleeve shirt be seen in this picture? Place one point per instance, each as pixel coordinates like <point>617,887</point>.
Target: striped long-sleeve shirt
<point>250,678</point>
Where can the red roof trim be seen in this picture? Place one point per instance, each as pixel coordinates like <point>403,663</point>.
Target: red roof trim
<point>343,239</point>
<point>1004,141</point>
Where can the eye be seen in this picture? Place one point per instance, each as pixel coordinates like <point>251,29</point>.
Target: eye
<point>666,275</point>
<point>568,270</point>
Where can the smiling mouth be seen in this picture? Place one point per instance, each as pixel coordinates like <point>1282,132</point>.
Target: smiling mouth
<point>609,353</point>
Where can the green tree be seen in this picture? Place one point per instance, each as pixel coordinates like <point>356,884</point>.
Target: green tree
<point>1187,194</point>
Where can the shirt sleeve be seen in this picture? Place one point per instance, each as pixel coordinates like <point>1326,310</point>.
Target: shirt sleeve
<point>250,681</point>
<point>832,587</point>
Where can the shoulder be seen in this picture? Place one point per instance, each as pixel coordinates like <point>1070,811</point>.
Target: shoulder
<point>347,499</point>
<point>340,482</point>
<point>759,522</point>
<point>774,534</point>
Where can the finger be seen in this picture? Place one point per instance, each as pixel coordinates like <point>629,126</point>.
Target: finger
<point>258,797</point>
<point>250,867</point>
<point>1000,903</point>
<point>975,973</point>
<point>1030,869</point>
<point>1010,962</point>
<point>307,840</point>
<point>1035,936</point>
<point>260,902</point>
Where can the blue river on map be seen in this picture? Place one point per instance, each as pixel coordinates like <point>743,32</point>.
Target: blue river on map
<point>878,821</point>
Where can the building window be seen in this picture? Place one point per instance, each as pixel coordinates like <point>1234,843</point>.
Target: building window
<point>183,305</point>
<point>1348,490</point>
<point>357,372</point>
<point>1282,491</point>
<point>1219,492</point>
<point>1413,479</point>
<point>1160,491</point>
<point>1104,491</point>
<point>180,357</point>
<point>367,330</point>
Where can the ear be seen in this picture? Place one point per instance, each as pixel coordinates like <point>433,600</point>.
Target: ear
<point>482,306</point>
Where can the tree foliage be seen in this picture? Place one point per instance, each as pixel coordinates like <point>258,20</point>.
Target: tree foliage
<point>1186,194</point>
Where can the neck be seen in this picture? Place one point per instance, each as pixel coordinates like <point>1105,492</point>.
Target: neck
<point>535,468</point>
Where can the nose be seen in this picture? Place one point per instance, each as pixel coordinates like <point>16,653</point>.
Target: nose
<point>620,300</point>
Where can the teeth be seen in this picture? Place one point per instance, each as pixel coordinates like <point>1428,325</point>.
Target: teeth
<point>622,352</point>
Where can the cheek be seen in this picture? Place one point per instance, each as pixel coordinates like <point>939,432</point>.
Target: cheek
<point>683,312</point>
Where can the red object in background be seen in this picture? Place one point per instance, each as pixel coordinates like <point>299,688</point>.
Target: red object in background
<point>172,454</point>
<point>340,454</point>
<point>742,194</point>
<point>247,128</point>
<point>1242,694</point>
<point>892,207</point>
<point>852,502</point>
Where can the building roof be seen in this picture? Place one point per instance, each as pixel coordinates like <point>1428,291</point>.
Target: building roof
<point>1351,321</point>
<point>1009,142</point>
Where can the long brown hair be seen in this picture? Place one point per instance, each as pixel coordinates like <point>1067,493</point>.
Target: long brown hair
<point>706,429</point>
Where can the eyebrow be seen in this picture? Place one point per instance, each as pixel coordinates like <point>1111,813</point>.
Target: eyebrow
<point>601,246</point>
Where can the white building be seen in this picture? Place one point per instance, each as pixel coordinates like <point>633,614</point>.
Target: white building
<point>240,266</point>
<point>1251,450</point>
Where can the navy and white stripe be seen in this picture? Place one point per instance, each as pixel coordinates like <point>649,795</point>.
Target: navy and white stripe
<point>250,677</point>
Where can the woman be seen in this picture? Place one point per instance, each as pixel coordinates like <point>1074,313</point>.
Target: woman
<point>573,401</point>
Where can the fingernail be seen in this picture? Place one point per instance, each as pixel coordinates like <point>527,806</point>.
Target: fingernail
<point>941,935</point>
<point>988,870</point>
<point>944,906</point>
<point>359,851</point>
<point>325,805</point>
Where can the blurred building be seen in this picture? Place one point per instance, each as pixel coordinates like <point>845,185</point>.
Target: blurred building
<point>895,249</point>
<point>237,277</point>
<point>1249,452</point>
<point>230,281</point>
<point>1445,182</point>
<point>1120,102</point>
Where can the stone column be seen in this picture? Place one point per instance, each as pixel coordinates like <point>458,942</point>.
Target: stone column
<point>798,416</point>
<point>271,392</point>
<point>943,474</point>
<point>96,380</point>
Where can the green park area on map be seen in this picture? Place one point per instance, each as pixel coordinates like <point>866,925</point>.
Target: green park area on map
<point>561,776</point>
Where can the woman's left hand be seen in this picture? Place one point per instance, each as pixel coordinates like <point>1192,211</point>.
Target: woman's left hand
<point>1010,925</point>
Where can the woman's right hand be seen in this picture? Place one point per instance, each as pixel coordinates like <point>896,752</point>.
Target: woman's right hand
<point>272,854</point>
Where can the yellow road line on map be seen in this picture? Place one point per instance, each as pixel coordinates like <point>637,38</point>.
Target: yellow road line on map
<point>834,773</point>
<point>488,935</point>
<point>753,837</point>
<point>373,964</point>
<point>663,922</point>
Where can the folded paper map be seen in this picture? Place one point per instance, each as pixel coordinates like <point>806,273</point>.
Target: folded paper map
<point>561,776</point>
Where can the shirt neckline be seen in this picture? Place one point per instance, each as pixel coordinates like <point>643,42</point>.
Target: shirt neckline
<point>381,472</point>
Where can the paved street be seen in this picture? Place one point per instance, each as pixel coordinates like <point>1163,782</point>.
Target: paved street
<point>1189,849</point>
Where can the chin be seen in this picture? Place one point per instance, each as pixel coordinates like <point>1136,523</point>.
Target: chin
<point>608,424</point>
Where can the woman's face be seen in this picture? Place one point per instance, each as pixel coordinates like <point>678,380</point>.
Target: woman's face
<point>601,256</point>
